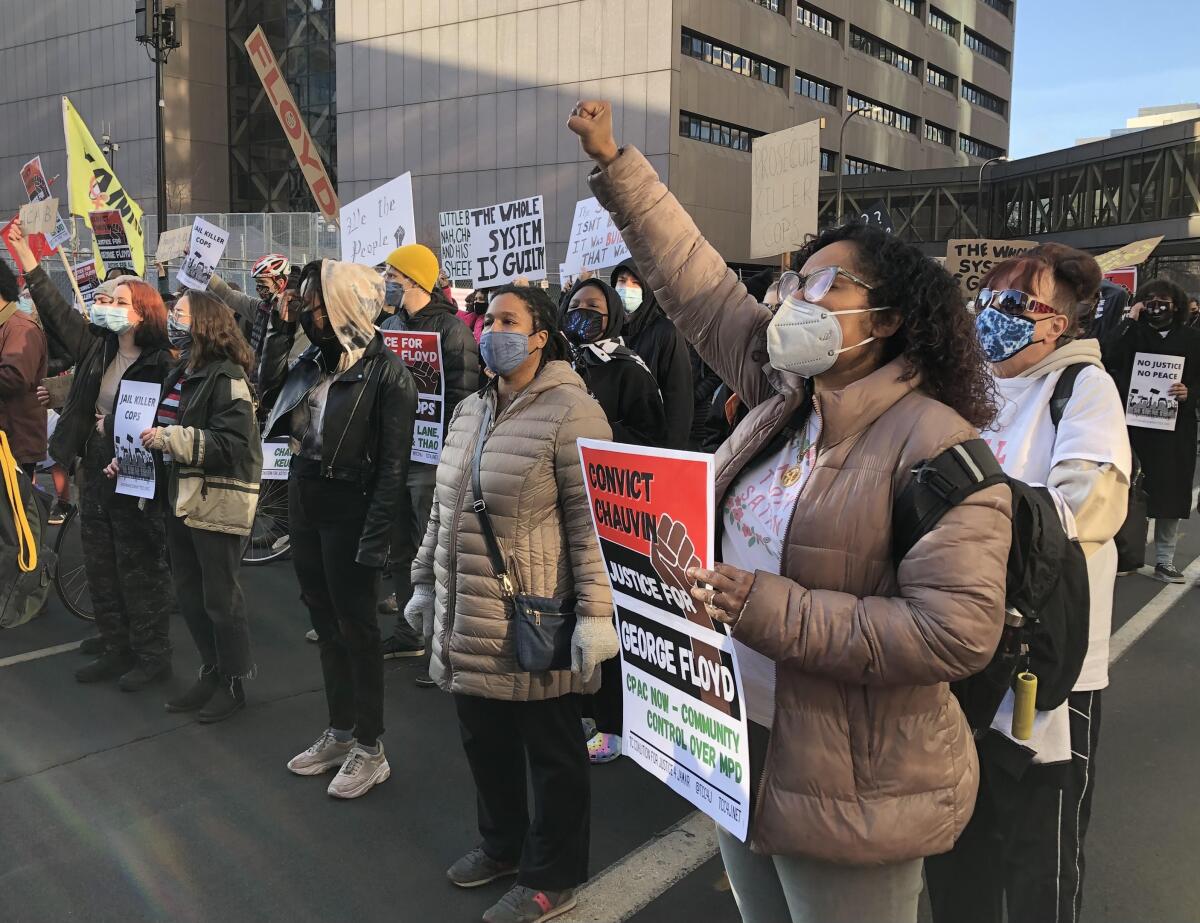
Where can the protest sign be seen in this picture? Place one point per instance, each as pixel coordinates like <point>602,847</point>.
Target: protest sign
<point>507,241</point>
<point>38,190</point>
<point>377,223</point>
<point>422,353</point>
<point>172,244</point>
<point>595,241</point>
<point>970,259</point>
<point>1149,405</point>
<point>1133,254</point>
<point>277,459</point>
<point>133,413</point>
<point>37,242</point>
<point>784,188</point>
<point>685,718</point>
<point>111,243</point>
<point>205,246</point>
<point>877,214</point>
<point>1127,276</point>
<point>86,279</point>
<point>454,229</point>
<point>40,217</point>
<point>284,104</point>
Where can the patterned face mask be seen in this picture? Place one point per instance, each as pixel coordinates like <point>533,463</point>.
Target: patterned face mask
<point>1003,336</point>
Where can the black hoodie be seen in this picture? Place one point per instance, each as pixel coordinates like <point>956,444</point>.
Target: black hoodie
<point>618,378</point>
<point>650,333</point>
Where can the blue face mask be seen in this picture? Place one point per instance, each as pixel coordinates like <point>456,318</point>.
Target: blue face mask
<point>1003,336</point>
<point>630,297</point>
<point>25,304</point>
<point>111,317</point>
<point>393,293</point>
<point>504,352</point>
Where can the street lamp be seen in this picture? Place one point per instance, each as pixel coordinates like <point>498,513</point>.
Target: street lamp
<point>155,28</point>
<point>979,193</point>
<point>842,156</point>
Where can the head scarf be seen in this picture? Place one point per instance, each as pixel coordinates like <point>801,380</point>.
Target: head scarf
<point>353,297</point>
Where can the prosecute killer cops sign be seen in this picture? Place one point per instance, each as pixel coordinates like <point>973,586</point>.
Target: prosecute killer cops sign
<point>422,353</point>
<point>685,721</point>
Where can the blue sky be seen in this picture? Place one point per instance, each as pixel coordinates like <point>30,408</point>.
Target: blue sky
<point>1082,67</point>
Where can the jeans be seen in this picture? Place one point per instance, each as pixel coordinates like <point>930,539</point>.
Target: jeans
<point>205,567</point>
<point>501,739</point>
<point>412,519</point>
<point>1166,537</point>
<point>325,522</point>
<point>776,889</point>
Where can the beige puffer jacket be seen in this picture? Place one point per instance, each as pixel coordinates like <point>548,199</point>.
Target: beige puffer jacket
<point>533,484</point>
<point>870,759</point>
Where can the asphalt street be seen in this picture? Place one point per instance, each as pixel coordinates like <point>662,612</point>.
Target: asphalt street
<point>113,810</point>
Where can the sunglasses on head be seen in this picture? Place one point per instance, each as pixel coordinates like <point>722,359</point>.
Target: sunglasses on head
<point>1012,302</point>
<point>815,285</point>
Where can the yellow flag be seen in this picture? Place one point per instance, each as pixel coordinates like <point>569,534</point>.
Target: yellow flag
<point>92,186</point>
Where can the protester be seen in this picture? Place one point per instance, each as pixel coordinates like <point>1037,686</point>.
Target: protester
<point>270,274</point>
<point>650,334</point>
<point>1023,848</point>
<point>126,563</point>
<point>23,360</point>
<point>1193,319</point>
<point>532,483</point>
<point>206,430</point>
<point>473,314</point>
<point>348,405</point>
<point>845,657</point>
<point>1157,326</point>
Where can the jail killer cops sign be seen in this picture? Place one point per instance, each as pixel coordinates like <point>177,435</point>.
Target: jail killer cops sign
<point>685,720</point>
<point>508,241</point>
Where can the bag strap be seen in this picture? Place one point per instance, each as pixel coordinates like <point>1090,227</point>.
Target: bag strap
<point>27,552</point>
<point>1063,389</point>
<point>499,565</point>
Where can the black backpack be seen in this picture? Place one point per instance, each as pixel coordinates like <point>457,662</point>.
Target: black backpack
<point>1047,601</point>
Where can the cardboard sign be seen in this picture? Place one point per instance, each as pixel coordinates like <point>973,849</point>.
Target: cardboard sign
<point>422,353</point>
<point>172,244</point>
<point>87,280</point>
<point>288,114</point>
<point>277,459</point>
<point>133,412</point>
<point>784,188</point>
<point>377,223</point>
<point>684,707</point>
<point>595,242</point>
<point>1127,277</point>
<point>970,259</point>
<point>40,217</point>
<point>1133,254</point>
<point>508,241</point>
<point>205,246</point>
<point>37,243</point>
<point>111,242</point>
<point>454,230</point>
<point>1149,405</point>
<point>38,190</point>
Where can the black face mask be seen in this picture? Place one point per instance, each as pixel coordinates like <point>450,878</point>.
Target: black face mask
<point>1160,318</point>
<point>479,307</point>
<point>324,338</point>
<point>584,325</point>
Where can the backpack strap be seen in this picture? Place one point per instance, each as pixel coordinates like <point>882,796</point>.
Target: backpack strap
<point>1063,389</point>
<point>937,486</point>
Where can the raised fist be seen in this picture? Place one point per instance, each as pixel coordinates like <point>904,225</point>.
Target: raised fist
<point>426,377</point>
<point>673,553</point>
<point>591,119</point>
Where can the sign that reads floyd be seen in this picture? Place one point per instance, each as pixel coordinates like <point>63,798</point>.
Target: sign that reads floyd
<point>288,114</point>
<point>596,242</point>
<point>970,260</point>
<point>422,353</point>
<point>111,242</point>
<point>377,223</point>
<point>508,241</point>
<point>685,718</point>
<point>454,228</point>
<point>786,176</point>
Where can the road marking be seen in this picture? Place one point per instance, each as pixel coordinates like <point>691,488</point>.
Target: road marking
<point>38,655</point>
<point>1146,617</point>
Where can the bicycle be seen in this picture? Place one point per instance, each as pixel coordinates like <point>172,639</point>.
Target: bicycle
<point>268,539</point>
<point>70,579</point>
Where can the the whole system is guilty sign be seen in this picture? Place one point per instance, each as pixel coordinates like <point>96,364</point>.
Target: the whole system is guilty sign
<point>508,241</point>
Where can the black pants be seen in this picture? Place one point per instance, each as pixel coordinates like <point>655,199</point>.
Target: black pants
<point>412,519</point>
<point>325,519</point>
<point>205,567</point>
<point>500,738</point>
<point>126,563</point>
<point>1024,843</point>
<point>606,706</point>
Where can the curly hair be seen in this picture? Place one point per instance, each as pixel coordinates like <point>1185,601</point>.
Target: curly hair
<point>545,317</point>
<point>936,336</point>
<point>215,333</point>
<point>1165,288</point>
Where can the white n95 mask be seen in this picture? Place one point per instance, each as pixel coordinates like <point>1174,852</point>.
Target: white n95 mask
<point>806,339</point>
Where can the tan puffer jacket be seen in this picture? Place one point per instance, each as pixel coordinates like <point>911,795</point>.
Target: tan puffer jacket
<point>533,484</point>
<point>870,759</point>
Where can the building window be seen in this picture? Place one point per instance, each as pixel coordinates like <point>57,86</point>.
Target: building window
<point>976,148</point>
<point>938,134</point>
<point>828,159</point>
<point>741,62</point>
<point>942,22</point>
<point>943,80</point>
<point>983,99</point>
<point>878,48</point>
<point>812,18</point>
<point>1002,6</point>
<point>913,7</point>
<point>855,165</point>
<point>980,45</point>
<point>816,89</point>
<point>710,131</point>
<point>775,6</point>
<point>896,118</point>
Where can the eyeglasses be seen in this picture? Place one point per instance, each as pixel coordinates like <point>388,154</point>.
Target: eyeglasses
<point>815,285</point>
<point>1157,305</point>
<point>1012,302</point>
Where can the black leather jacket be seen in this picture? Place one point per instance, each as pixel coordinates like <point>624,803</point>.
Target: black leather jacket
<point>366,430</point>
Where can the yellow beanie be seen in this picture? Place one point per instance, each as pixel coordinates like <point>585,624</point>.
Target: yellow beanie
<point>417,262</point>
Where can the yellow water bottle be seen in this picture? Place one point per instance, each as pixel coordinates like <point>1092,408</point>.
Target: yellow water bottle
<point>1025,695</point>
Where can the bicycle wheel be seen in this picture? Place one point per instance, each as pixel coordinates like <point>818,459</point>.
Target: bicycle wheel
<point>70,580</point>
<point>268,540</point>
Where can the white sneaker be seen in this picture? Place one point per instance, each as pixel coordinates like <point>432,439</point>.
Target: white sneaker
<point>311,635</point>
<point>327,753</point>
<point>360,773</point>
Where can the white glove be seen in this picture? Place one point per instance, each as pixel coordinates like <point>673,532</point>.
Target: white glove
<point>420,607</point>
<point>593,641</point>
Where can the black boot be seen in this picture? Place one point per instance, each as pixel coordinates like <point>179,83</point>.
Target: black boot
<point>92,647</point>
<point>226,700</point>
<point>202,690</point>
<point>110,665</point>
<point>143,675</point>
